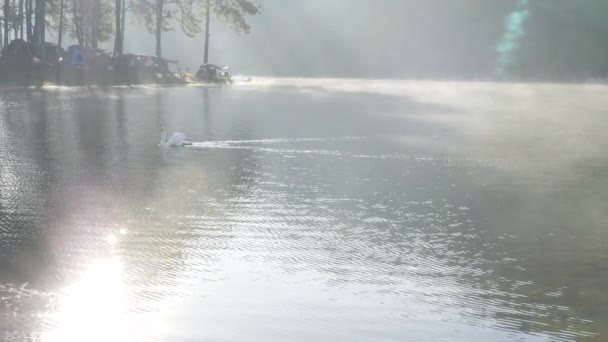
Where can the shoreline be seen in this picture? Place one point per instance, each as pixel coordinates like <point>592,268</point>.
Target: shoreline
<point>113,79</point>
<point>26,76</point>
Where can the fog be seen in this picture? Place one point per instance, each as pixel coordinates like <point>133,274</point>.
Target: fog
<point>471,39</point>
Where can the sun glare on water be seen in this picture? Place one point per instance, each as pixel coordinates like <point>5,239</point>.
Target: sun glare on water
<point>94,308</point>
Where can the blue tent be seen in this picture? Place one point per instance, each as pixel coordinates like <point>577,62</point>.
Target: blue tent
<point>76,55</point>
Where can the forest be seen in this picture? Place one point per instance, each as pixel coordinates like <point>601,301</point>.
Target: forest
<point>92,22</point>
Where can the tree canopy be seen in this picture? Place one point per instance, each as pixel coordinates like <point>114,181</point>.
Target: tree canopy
<point>163,15</point>
<point>91,22</point>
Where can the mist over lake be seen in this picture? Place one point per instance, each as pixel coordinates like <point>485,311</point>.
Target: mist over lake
<point>304,210</point>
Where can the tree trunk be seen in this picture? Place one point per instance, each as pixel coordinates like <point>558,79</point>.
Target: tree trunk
<point>123,15</point>
<point>117,38</point>
<point>59,38</point>
<point>77,23</point>
<point>207,15</point>
<point>15,22</point>
<point>60,33</point>
<point>95,23</point>
<point>35,24</point>
<point>28,19</point>
<point>20,22</point>
<point>6,11</point>
<point>122,24</point>
<point>159,26</point>
<point>1,39</point>
<point>40,28</point>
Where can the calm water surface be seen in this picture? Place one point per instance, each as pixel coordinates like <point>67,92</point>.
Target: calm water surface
<point>306,210</point>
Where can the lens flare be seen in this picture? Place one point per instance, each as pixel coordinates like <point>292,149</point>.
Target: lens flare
<point>514,31</point>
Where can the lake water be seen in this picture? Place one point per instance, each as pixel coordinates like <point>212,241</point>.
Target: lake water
<point>306,210</point>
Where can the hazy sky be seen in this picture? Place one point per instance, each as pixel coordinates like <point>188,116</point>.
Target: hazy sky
<point>404,38</point>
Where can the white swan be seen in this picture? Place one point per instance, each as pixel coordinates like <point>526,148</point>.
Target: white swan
<point>177,139</point>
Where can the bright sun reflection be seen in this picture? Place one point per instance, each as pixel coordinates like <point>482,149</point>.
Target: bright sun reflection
<point>94,308</point>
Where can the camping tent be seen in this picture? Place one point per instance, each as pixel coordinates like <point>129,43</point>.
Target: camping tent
<point>76,55</point>
<point>18,51</point>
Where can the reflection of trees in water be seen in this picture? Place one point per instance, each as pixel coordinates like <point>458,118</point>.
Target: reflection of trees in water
<point>77,177</point>
<point>91,117</point>
<point>207,114</point>
<point>94,179</point>
<point>353,220</point>
<point>27,178</point>
<point>174,220</point>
